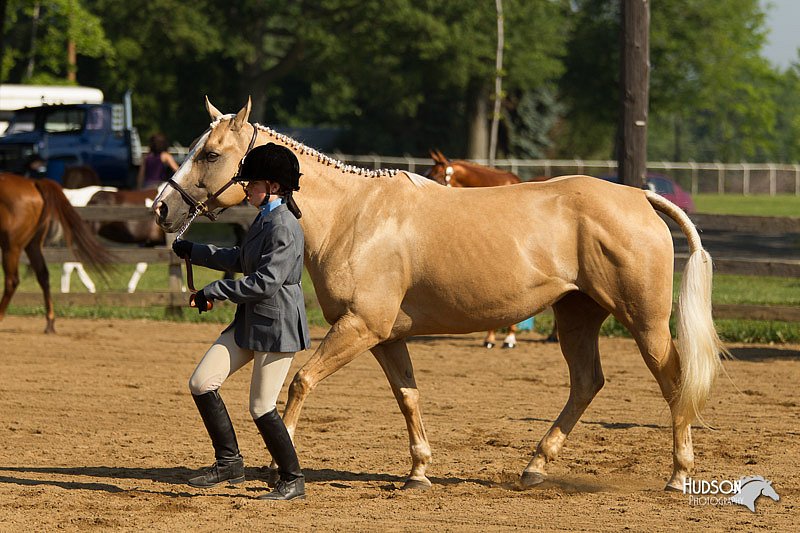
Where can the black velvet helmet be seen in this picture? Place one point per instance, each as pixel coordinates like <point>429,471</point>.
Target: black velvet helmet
<point>271,162</point>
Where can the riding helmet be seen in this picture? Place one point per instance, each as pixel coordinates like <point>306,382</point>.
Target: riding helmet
<point>271,162</point>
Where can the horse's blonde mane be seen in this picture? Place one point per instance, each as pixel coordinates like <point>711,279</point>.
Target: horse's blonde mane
<point>321,158</point>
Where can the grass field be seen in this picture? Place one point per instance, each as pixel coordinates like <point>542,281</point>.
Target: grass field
<point>783,205</point>
<point>727,290</point>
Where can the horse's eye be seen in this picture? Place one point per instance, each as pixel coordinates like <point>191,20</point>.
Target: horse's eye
<point>212,156</point>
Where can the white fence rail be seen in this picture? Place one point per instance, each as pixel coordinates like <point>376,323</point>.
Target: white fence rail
<point>714,178</point>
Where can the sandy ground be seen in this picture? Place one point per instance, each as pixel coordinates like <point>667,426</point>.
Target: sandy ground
<point>99,433</point>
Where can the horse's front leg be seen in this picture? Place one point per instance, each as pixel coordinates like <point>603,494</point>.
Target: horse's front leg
<point>349,337</point>
<point>396,363</point>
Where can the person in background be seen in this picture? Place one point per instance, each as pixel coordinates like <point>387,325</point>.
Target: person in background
<point>269,326</point>
<point>158,166</point>
<point>35,167</point>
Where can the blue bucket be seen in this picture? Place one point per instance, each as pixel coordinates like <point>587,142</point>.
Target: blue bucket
<point>525,325</point>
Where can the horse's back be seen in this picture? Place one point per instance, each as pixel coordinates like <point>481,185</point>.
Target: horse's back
<point>18,192</point>
<point>530,243</point>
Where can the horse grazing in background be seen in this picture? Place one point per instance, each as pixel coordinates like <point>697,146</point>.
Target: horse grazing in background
<point>144,231</point>
<point>82,186</point>
<point>460,173</point>
<point>386,268</point>
<point>27,207</point>
<point>465,174</point>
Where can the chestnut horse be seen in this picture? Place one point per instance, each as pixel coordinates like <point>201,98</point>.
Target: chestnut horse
<point>27,207</point>
<point>460,173</point>
<point>385,268</point>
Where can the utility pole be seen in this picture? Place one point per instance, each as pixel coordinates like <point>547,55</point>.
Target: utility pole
<point>635,80</point>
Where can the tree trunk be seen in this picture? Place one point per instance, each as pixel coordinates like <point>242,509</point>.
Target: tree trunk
<point>3,9</point>
<point>634,81</point>
<point>72,61</point>
<point>478,142</point>
<point>34,28</point>
<point>498,84</point>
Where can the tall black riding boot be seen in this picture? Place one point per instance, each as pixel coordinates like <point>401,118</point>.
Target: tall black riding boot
<point>229,465</point>
<point>292,483</point>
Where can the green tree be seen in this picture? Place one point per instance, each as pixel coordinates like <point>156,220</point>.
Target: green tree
<point>711,93</point>
<point>36,36</point>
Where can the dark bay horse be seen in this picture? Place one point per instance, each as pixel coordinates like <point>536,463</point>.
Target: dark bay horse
<point>386,268</point>
<point>27,208</point>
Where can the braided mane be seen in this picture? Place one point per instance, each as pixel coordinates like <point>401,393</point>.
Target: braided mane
<point>307,150</point>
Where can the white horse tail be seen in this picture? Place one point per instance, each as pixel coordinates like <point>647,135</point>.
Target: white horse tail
<point>697,342</point>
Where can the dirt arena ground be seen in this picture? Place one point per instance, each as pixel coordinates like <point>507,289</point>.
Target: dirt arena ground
<point>99,433</point>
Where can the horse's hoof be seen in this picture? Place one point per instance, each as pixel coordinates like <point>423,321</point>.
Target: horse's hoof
<point>273,477</point>
<point>551,339</point>
<point>508,345</point>
<point>531,479</point>
<point>416,484</point>
<point>488,345</point>
<point>671,488</point>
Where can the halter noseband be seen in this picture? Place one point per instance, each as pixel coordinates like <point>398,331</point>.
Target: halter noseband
<point>201,208</point>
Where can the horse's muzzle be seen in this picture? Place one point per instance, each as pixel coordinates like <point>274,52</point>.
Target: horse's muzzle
<point>161,210</point>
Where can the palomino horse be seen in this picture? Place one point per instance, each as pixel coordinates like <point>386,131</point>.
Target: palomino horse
<point>385,268</point>
<point>465,174</point>
<point>26,209</point>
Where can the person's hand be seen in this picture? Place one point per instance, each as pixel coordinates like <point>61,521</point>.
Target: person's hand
<point>182,249</point>
<point>201,302</point>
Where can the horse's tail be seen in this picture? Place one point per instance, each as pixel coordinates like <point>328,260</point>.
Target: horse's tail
<point>76,233</point>
<point>697,342</point>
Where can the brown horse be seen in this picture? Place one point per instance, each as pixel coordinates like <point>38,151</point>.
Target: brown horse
<point>460,173</point>
<point>144,231</point>
<point>27,208</point>
<point>385,268</point>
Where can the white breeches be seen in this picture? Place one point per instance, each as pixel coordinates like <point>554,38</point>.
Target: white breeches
<point>225,357</point>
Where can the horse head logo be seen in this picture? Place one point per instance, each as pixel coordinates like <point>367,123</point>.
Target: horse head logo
<point>751,488</point>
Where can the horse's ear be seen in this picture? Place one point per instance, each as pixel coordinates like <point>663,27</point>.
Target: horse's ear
<point>241,117</point>
<point>433,156</point>
<point>213,112</point>
<point>442,156</point>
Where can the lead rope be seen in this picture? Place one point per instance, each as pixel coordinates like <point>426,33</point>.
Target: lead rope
<point>188,261</point>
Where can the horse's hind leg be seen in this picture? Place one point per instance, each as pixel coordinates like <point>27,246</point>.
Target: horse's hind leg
<point>11,256</point>
<point>34,252</point>
<point>396,364</point>
<point>489,341</point>
<point>659,353</point>
<point>511,338</point>
<point>579,320</point>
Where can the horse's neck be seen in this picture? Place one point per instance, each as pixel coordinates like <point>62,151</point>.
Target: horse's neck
<point>477,176</point>
<point>329,197</point>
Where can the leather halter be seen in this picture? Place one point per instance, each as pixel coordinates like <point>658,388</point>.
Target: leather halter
<point>201,208</point>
